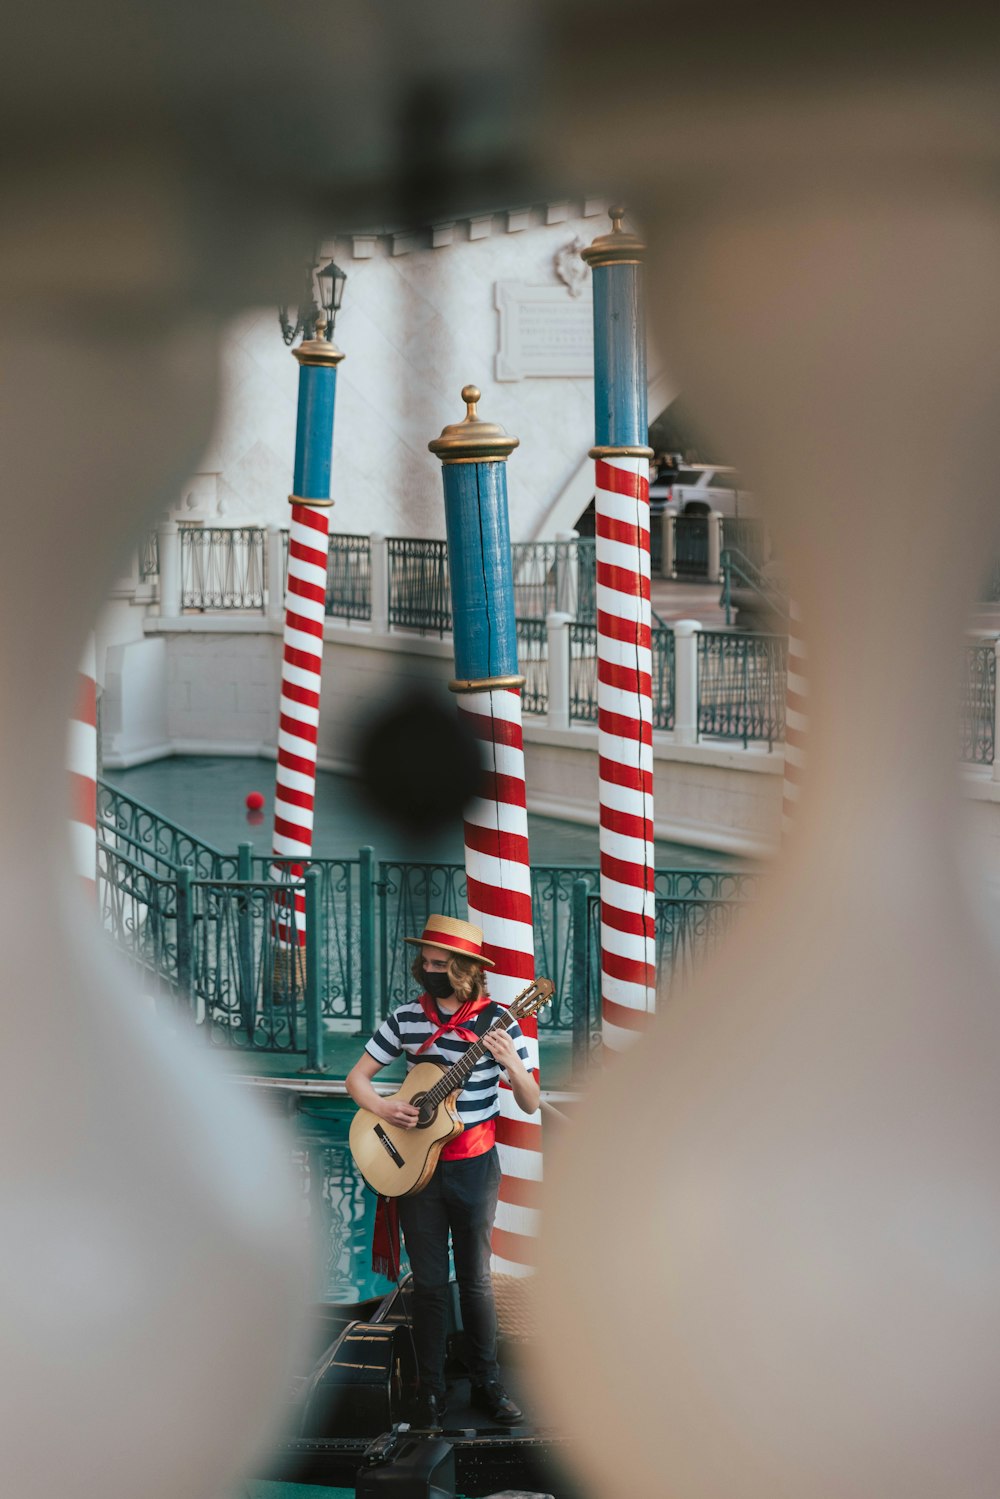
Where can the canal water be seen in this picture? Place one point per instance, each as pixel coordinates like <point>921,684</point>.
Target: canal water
<point>206,795</point>
<point>339,1207</point>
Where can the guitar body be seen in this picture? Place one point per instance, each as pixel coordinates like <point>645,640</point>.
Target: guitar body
<point>398,1162</point>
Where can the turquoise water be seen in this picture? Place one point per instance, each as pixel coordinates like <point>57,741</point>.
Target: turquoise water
<point>206,794</point>
<point>340,1208</point>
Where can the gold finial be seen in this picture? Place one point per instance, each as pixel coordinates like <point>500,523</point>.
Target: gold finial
<point>617,248</point>
<point>472,440</point>
<point>318,349</point>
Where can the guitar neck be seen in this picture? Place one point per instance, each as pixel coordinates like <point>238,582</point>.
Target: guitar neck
<point>459,1071</point>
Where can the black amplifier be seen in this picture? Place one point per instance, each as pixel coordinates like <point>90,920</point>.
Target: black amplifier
<point>404,1466</point>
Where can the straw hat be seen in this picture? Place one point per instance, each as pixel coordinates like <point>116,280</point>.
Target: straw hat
<point>455,936</point>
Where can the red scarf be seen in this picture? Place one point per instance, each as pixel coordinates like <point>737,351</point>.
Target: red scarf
<point>474,1141</point>
<point>455,1023</point>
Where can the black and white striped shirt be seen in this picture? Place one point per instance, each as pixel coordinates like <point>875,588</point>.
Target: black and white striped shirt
<point>406,1030</point>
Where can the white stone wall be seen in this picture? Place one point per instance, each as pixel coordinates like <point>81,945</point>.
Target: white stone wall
<point>418,322</point>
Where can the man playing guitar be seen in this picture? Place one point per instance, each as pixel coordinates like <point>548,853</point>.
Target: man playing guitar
<point>460,1199</point>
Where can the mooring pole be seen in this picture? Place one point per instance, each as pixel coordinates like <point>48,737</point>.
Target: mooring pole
<point>305,614</point>
<point>488,684</point>
<point>624,641</point>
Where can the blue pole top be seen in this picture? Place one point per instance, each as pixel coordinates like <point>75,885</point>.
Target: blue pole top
<point>621,418</point>
<point>318,360</point>
<point>473,454</point>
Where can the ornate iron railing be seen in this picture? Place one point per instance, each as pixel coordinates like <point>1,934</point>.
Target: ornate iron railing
<point>691,546</point>
<point>419,587</point>
<point>738,571</point>
<point>582,672</point>
<point>663,678</point>
<point>223,567</point>
<point>213,938</point>
<point>688,930</point>
<point>741,686</point>
<point>977,703</point>
<point>138,911</point>
<point>552,575</point>
<point>340,899</point>
<point>349,577</point>
<point>149,556</point>
<point>533,662</point>
<point>251,989</point>
<point>153,840</point>
<point>743,534</point>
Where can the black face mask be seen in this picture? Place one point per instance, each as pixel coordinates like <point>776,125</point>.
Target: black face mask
<point>438,985</point>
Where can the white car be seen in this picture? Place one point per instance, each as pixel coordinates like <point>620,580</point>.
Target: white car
<point>710,485</point>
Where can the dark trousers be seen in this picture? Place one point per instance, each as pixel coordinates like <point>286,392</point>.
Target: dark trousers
<point>460,1198</point>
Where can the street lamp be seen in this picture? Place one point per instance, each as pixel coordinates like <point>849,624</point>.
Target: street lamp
<point>331,281</point>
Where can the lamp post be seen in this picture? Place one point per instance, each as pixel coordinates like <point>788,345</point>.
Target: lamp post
<point>305,605</point>
<point>624,641</point>
<point>487,683</point>
<point>330,280</point>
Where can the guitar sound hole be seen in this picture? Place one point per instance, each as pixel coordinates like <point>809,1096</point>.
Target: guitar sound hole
<point>427,1110</point>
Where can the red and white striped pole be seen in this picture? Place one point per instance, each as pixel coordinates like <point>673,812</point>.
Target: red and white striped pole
<point>624,639</point>
<point>82,765</point>
<point>625,749</point>
<point>796,719</point>
<point>498,879</point>
<point>473,454</point>
<point>305,615</point>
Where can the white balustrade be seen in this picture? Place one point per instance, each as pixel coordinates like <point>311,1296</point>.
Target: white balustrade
<point>379,583</point>
<point>558,658</point>
<point>170,569</point>
<point>686,633</point>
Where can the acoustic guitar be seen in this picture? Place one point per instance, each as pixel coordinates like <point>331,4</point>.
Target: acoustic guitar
<point>397,1162</point>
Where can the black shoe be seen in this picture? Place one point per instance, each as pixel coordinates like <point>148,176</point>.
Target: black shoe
<point>428,1412</point>
<point>493,1399</point>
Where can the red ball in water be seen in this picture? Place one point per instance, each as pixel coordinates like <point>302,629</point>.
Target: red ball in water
<point>255,801</point>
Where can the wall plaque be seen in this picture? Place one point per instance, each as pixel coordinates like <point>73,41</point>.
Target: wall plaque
<point>545,331</point>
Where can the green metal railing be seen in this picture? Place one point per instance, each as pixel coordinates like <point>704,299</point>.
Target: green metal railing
<point>554,575</point>
<point>548,575</point>
<point>251,990</point>
<point>977,703</point>
<point>742,534</point>
<point>151,839</point>
<point>663,678</point>
<point>533,662</point>
<point>419,587</point>
<point>740,571</point>
<point>349,577</point>
<point>138,911</point>
<point>583,674</point>
<point>691,546</point>
<point>211,937</point>
<point>342,896</point>
<point>223,567</point>
<point>688,930</point>
<point>741,686</point>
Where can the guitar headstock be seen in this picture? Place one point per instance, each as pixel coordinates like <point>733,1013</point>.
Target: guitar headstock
<point>537,994</point>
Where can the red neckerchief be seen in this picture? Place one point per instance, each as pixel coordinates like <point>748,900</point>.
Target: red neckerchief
<point>455,1023</point>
